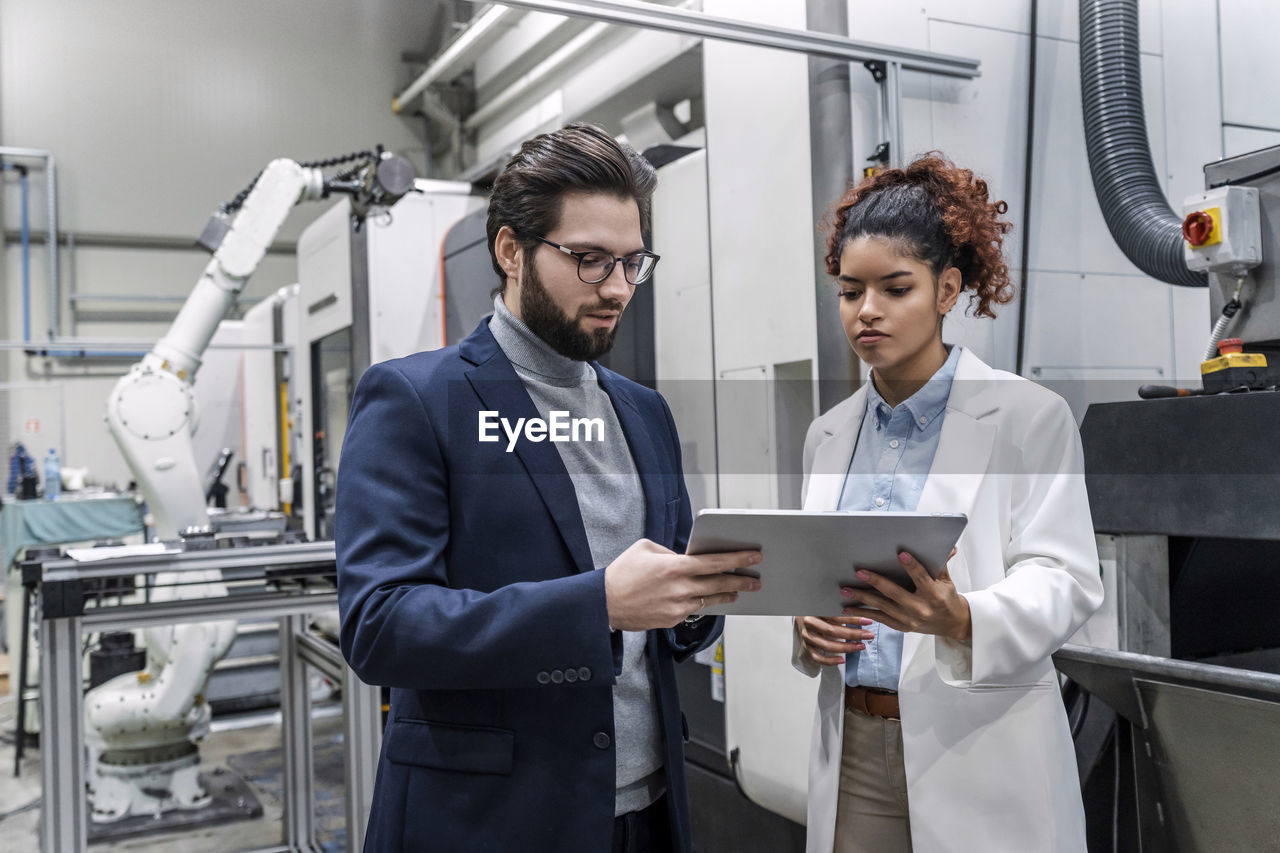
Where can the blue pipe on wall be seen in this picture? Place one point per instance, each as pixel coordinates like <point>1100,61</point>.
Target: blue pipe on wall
<point>26,288</point>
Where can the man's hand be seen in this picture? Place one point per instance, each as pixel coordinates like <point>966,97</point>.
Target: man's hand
<point>934,608</point>
<point>649,586</point>
<point>828,639</point>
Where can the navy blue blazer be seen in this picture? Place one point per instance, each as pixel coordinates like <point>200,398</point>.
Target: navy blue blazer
<point>466,585</point>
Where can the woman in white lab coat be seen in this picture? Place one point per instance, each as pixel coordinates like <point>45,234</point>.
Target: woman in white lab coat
<point>939,725</point>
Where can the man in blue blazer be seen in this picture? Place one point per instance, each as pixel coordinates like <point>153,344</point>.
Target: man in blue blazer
<point>511,519</point>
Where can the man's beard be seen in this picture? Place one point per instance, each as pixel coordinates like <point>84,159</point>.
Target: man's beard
<point>562,333</point>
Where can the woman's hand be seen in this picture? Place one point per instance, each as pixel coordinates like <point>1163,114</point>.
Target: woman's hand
<point>934,608</point>
<point>828,639</point>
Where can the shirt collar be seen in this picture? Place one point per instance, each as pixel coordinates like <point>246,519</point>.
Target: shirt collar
<point>926,404</point>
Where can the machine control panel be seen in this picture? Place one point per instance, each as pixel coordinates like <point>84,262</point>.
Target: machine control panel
<point>1222,231</point>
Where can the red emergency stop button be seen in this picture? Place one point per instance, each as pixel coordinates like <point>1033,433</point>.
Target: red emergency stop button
<point>1197,227</point>
<point>1230,345</point>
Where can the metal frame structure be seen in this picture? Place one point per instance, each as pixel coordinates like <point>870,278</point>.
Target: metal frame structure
<point>1196,746</point>
<point>684,22</point>
<point>886,62</point>
<point>65,620</point>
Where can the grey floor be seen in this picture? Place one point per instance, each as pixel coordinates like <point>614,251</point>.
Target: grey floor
<point>19,798</point>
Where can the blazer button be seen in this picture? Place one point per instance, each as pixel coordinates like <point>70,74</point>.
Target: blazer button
<point>544,678</point>
<point>601,740</point>
<point>557,676</point>
<point>571,675</point>
<point>584,674</point>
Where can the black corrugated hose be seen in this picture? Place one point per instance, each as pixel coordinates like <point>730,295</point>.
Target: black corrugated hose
<point>1115,130</point>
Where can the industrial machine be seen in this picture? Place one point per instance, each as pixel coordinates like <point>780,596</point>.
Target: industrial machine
<point>270,378</point>
<point>1183,497</point>
<point>1223,231</point>
<point>141,727</point>
<point>369,291</point>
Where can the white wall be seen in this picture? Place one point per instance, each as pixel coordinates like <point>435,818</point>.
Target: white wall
<point>158,112</point>
<point>1249,122</point>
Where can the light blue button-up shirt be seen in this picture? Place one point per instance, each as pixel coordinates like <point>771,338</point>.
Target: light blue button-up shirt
<point>888,471</point>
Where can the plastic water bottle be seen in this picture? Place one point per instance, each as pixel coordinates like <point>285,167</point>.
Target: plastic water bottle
<point>52,475</point>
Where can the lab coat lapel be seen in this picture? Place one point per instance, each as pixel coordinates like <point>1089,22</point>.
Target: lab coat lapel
<point>964,449</point>
<point>643,452</point>
<point>831,458</point>
<point>959,466</point>
<point>965,445</point>
<point>500,389</point>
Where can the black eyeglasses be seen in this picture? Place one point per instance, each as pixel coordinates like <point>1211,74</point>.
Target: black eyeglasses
<point>595,267</point>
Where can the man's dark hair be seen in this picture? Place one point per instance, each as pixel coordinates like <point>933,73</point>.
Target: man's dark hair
<point>577,158</point>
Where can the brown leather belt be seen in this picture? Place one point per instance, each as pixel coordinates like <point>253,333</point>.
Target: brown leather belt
<point>872,701</point>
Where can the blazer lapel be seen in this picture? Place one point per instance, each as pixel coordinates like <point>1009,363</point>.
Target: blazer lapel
<point>499,388</point>
<point>643,452</point>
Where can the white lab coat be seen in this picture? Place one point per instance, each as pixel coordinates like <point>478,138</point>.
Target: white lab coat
<point>989,760</point>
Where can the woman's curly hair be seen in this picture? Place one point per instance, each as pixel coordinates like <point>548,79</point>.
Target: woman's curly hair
<point>936,213</point>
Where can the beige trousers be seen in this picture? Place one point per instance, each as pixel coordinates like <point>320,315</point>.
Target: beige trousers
<point>871,815</point>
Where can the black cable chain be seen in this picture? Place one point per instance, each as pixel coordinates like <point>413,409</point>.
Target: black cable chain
<point>368,155</point>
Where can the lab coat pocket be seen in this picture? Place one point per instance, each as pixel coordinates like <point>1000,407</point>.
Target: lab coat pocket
<point>448,746</point>
<point>996,688</point>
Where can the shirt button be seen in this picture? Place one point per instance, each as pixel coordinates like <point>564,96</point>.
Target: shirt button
<point>584,674</point>
<point>879,501</point>
<point>924,420</point>
<point>544,678</point>
<point>557,676</point>
<point>601,740</point>
<point>894,443</point>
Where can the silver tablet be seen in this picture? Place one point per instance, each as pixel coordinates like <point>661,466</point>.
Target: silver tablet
<point>808,556</point>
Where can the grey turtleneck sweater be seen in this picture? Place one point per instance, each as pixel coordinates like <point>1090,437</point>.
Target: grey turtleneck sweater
<point>611,502</point>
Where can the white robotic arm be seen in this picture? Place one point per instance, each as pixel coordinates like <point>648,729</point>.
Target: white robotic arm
<point>152,412</point>
<point>141,727</point>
